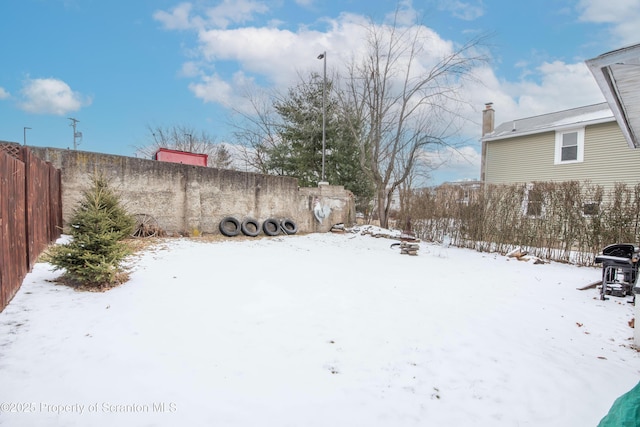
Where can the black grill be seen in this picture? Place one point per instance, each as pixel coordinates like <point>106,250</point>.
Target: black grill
<point>619,269</point>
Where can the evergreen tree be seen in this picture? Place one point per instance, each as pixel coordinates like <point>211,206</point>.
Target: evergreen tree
<point>221,158</point>
<point>299,150</point>
<point>98,226</point>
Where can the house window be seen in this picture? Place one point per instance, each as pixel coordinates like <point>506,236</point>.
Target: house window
<point>534,205</point>
<point>591,208</point>
<point>569,146</point>
<point>463,197</point>
<point>533,202</point>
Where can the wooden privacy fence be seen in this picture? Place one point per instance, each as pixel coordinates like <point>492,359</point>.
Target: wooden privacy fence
<point>30,214</point>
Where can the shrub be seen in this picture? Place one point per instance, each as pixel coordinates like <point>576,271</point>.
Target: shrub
<point>564,221</point>
<point>98,225</point>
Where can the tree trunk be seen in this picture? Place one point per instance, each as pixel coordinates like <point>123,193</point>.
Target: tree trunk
<point>382,209</point>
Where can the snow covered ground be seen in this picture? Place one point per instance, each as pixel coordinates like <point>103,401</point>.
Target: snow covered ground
<point>316,330</point>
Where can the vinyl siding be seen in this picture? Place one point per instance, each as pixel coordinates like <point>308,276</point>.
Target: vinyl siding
<point>523,159</point>
<point>607,159</point>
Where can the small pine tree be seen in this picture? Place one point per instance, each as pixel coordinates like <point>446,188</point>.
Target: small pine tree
<point>98,226</point>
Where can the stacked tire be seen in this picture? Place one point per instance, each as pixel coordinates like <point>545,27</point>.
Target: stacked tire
<point>231,227</point>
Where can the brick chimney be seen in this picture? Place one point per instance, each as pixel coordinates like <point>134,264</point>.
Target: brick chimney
<point>488,118</point>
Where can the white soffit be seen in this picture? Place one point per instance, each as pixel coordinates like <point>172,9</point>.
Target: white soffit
<point>618,75</point>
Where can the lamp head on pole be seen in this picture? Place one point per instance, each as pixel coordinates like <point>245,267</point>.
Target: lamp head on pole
<point>321,56</point>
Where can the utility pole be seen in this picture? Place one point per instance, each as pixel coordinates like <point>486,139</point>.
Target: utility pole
<point>25,135</point>
<point>75,134</point>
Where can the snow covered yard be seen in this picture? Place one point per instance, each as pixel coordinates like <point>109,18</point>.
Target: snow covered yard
<point>317,330</point>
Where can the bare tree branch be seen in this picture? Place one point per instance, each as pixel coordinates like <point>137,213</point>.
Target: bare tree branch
<point>185,138</point>
<point>407,98</point>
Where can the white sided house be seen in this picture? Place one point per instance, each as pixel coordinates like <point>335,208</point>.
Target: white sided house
<point>580,144</point>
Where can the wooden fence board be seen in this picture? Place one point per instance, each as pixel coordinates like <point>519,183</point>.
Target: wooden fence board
<point>37,205</point>
<point>55,203</point>
<point>13,250</point>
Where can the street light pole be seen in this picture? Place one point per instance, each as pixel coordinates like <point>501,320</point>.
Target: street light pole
<point>25,135</point>
<point>323,56</point>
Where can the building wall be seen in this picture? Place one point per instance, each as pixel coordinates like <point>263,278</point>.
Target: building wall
<point>187,199</point>
<point>521,159</point>
<point>607,159</point>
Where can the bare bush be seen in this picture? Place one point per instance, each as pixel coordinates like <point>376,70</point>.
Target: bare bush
<point>562,221</point>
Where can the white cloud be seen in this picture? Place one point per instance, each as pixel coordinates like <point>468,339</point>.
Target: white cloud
<point>230,94</point>
<point>455,163</point>
<point>4,94</point>
<point>177,19</point>
<point>278,56</point>
<point>234,11</point>
<point>561,86</point>
<point>552,86</point>
<point>190,69</point>
<point>213,89</point>
<point>404,15</point>
<point>184,17</point>
<point>622,15</point>
<point>467,11</point>
<point>50,96</point>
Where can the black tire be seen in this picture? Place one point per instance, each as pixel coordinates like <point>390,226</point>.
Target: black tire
<point>289,226</point>
<point>230,226</point>
<point>271,227</point>
<point>250,227</point>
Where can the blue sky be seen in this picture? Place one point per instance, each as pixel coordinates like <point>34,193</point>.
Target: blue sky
<point>120,66</point>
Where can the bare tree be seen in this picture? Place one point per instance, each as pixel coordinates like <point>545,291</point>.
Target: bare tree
<point>406,189</point>
<point>186,138</point>
<point>407,98</point>
<point>256,130</point>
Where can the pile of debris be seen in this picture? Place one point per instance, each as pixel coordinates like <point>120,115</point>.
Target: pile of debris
<point>378,233</point>
<point>409,248</point>
<point>338,228</point>
<point>522,255</point>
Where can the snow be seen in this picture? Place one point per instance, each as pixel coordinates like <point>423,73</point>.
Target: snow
<point>316,330</point>
<point>581,118</point>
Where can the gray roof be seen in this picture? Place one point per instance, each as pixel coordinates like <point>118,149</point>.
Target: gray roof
<point>618,75</point>
<point>575,117</point>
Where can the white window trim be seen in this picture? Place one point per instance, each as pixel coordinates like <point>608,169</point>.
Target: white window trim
<point>590,202</point>
<point>524,207</point>
<point>558,152</point>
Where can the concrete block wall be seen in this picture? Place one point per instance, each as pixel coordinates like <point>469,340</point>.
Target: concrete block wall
<point>189,199</point>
